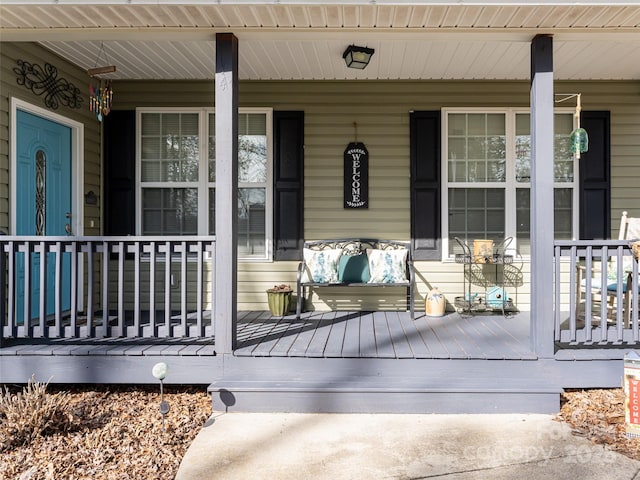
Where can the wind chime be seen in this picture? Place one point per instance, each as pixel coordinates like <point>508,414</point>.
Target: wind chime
<point>100,94</point>
<point>579,139</point>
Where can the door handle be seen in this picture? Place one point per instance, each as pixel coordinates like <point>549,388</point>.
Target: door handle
<point>67,226</point>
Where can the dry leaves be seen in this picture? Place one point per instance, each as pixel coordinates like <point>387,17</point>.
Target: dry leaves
<point>117,434</point>
<point>599,416</point>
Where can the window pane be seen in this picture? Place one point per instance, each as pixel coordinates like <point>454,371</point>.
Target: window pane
<point>475,213</point>
<point>212,211</point>
<point>169,211</point>
<point>252,124</point>
<point>476,147</point>
<point>252,159</point>
<point>212,147</point>
<point>563,217</point>
<point>563,164</point>
<point>523,221</point>
<point>170,147</point>
<point>563,158</point>
<point>251,222</point>
<point>523,147</point>
<point>151,124</point>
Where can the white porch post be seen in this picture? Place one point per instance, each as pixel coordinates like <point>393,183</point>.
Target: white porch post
<point>226,198</point>
<point>542,219</point>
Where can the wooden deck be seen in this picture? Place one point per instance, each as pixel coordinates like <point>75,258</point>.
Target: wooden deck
<point>336,362</point>
<point>385,335</point>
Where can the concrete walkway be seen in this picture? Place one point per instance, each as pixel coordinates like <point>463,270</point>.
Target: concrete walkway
<point>254,446</point>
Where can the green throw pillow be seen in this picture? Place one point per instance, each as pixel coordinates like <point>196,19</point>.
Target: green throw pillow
<point>354,269</point>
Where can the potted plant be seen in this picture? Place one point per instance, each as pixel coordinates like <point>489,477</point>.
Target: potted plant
<point>279,299</point>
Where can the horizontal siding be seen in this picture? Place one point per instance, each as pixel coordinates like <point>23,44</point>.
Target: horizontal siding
<point>381,111</point>
<point>29,52</point>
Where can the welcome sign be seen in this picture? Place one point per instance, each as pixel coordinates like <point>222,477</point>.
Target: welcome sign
<point>356,176</point>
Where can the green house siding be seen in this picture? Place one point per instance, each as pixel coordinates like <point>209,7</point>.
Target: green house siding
<point>10,53</point>
<point>380,111</point>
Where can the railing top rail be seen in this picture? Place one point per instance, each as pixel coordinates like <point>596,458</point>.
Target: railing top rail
<point>126,239</point>
<point>591,243</point>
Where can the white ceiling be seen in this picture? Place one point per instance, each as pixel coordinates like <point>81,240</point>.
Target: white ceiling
<point>476,40</point>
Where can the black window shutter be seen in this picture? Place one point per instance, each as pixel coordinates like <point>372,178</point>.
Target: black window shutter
<point>595,177</point>
<point>288,181</point>
<point>425,185</point>
<point>119,172</point>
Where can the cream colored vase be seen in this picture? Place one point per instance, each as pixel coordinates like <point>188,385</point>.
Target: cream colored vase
<point>435,303</point>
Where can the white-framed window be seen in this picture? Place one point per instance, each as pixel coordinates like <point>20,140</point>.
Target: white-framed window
<point>176,158</point>
<point>486,165</point>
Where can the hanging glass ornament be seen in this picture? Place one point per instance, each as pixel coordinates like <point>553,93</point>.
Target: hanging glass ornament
<point>100,98</point>
<point>579,141</point>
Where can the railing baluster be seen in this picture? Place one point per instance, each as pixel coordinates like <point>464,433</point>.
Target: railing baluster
<point>167,289</point>
<point>26,330</point>
<point>120,331</point>
<point>12,319</point>
<point>105,290</point>
<point>556,313</point>
<point>183,288</point>
<point>212,283</point>
<point>3,291</point>
<point>91,283</point>
<point>588,265</point>
<point>199,289</point>
<point>28,261</point>
<point>136,290</point>
<point>57,251</point>
<point>152,290</point>
<point>73,322</point>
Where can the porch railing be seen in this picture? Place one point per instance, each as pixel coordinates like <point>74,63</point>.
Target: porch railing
<point>596,293</point>
<point>100,287</point>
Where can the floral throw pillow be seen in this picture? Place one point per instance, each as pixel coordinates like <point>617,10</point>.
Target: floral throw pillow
<point>387,266</point>
<point>322,265</point>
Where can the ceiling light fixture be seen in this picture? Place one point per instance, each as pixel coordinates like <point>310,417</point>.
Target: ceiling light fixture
<point>357,57</point>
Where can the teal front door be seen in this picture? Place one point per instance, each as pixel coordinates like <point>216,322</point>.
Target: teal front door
<point>43,204</point>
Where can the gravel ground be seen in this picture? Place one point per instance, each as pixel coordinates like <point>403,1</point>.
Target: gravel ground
<point>118,434</point>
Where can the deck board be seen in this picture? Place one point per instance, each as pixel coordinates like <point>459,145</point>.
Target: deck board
<point>336,334</point>
<point>436,347</point>
<point>318,343</point>
<point>335,342</point>
<point>417,344</point>
<point>367,336</point>
<point>401,345</point>
<point>351,336</point>
<point>384,341</point>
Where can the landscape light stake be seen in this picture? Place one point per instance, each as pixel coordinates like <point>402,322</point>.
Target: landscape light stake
<point>160,371</point>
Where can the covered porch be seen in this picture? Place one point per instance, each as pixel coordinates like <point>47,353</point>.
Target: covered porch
<point>325,361</point>
<point>110,300</point>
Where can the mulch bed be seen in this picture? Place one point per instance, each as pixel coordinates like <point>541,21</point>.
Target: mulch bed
<point>599,416</point>
<point>117,434</point>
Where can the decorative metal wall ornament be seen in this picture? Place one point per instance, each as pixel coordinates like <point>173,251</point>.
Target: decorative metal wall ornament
<point>57,91</point>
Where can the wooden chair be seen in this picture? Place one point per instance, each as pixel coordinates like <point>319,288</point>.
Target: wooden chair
<point>629,230</point>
